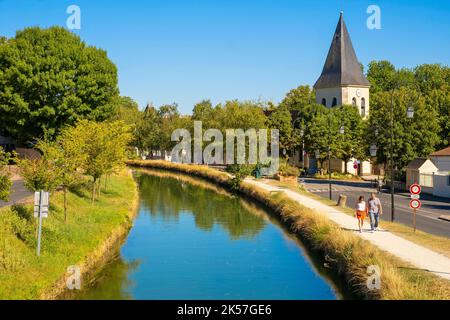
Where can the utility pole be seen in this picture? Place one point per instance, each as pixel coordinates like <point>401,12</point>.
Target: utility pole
<point>392,160</point>
<point>329,156</point>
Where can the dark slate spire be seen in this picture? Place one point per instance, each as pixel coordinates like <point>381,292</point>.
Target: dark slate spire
<point>341,67</point>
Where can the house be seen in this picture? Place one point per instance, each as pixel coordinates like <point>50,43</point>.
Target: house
<point>441,159</point>
<point>7,143</point>
<point>441,179</point>
<point>441,184</point>
<point>421,171</point>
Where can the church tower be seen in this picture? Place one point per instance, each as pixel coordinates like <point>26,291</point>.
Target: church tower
<point>342,80</point>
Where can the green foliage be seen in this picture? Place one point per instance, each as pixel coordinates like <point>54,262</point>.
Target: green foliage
<point>286,170</point>
<point>413,138</point>
<point>290,137</point>
<point>299,98</point>
<point>5,181</point>
<point>25,276</point>
<point>239,172</point>
<point>40,174</point>
<point>50,79</point>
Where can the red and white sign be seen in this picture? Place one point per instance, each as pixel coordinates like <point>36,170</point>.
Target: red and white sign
<point>415,189</point>
<point>415,204</point>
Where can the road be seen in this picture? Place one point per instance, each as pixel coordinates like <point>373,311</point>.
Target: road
<point>427,217</point>
<point>18,194</point>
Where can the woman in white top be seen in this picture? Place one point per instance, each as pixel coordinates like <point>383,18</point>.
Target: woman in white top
<point>361,212</point>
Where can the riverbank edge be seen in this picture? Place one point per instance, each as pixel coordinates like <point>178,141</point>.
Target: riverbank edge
<point>97,259</point>
<point>347,255</point>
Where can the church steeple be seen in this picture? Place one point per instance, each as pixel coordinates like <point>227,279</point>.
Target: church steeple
<point>341,67</point>
<point>342,80</point>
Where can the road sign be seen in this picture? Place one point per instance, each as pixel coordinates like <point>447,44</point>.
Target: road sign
<point>415,189</point>
<point>40,211</point>
<point>415,204</point>
<point>415,196</point>
<point>41,204</point>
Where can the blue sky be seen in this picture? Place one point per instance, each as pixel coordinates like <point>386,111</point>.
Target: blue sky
<point>184,50</point>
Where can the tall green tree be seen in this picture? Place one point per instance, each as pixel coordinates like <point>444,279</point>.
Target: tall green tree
<point>5,180</point>
<point>104,147</point>
<point>299,98</point>
<point>290,138</point>
<point>413,138</point>
<point>67,156</point>
<point>351,143</point>
<point>50,78</point>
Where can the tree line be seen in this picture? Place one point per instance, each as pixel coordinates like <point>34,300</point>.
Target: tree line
<point>50,79</point>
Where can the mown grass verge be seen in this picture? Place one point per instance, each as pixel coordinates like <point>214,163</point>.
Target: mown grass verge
<point>347,254</point>
<point>430,241</point>
<point>90,232</point>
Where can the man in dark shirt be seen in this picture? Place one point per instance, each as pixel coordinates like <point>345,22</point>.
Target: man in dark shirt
<point>375,211</point>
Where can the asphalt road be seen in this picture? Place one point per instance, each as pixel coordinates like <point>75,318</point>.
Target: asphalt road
<point>18,194</point>
<point>427,218</point>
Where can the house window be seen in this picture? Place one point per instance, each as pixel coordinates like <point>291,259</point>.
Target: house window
<point>354,102</point>
<point>324,102</point>
<point>334,102</point>
<point>363,107</point>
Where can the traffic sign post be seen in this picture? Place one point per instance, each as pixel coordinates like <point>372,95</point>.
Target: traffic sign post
<point>415,203</point>
<point>40,212</point>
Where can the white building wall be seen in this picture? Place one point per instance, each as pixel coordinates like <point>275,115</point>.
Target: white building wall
<point>328,94</point>
<point>345,95</point>
<point>441,185</point>
<point>442,163</point>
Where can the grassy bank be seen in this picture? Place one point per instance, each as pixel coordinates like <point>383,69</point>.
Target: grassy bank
<point>83,241</point>
<point>430,241</point>
<point>347,254</point>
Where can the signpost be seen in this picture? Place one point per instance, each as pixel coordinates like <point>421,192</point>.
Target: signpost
<point>415,203</point>
<point>40,212</point>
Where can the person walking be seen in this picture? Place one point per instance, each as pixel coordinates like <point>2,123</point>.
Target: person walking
<point>361,212</point>
<point>375,211</point>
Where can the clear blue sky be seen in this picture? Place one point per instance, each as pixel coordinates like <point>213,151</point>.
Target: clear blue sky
<point>184,50</point>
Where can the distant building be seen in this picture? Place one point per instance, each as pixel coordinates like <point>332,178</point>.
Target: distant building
<point>441,179</point>
<point>441,159</point>
<point>8,144</point>
<point>342,80</point>
<point>421,171</point>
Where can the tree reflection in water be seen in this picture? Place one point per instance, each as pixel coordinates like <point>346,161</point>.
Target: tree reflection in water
<point>167,196</point>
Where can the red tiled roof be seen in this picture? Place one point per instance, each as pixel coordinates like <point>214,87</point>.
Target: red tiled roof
<point>442,153</point>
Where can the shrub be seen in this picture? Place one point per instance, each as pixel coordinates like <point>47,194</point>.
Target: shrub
<point>287,170</point>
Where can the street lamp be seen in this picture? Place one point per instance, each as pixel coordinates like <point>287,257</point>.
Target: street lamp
<point>373,150</point>
<point>341,131</point>
<point>317,154</point>
<point>302,134</point>
<point>410,113</point>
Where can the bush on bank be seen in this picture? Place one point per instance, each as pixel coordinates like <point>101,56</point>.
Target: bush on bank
<point>346,253</point>
<point>80,241</point>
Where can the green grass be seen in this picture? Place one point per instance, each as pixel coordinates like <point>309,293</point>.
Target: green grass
<point>430,241</point>
<point>25,276</point>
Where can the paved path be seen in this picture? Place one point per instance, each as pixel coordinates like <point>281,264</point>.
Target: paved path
<point>408,251</point>
<point>428,217</point>
<point>18,194</point>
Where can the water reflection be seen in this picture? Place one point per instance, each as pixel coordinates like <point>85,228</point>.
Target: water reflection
<point>193,240</point>
<point>167,197</point>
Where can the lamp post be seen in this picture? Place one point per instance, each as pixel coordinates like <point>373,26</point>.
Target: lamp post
<point>341,131</point>
<point>410,115</point>
<point>302,134</point>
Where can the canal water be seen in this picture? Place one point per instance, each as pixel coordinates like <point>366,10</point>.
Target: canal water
<point>193,240</point>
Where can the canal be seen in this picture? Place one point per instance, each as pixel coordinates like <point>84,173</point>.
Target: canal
<point>193,240</point>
